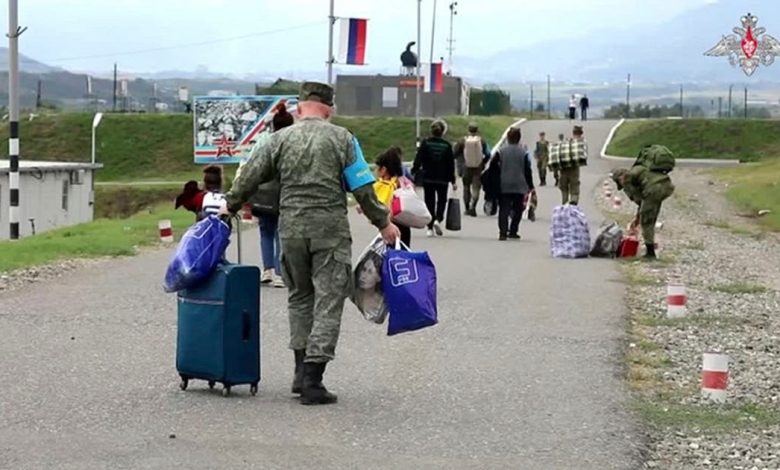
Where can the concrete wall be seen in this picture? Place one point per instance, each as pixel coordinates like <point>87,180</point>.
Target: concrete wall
<point>42,199</point>
<point>372,95</point>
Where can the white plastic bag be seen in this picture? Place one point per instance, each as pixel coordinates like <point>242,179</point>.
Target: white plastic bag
<point>569,233</point>
<point>368,296</point>
<point>409,209</point>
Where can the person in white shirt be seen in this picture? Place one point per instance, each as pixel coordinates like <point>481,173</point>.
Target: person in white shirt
<point>573,107</point>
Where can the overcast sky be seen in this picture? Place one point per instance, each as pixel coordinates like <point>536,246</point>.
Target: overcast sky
<point>98,32</point>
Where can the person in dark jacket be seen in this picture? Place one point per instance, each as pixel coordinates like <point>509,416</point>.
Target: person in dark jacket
<point>434,166</point>
<point>516,181</point>
<point>584,106</point>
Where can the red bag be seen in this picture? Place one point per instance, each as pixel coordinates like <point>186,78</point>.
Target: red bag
<point>629,246</point>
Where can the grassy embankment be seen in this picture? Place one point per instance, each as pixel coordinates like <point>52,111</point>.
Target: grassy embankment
<point>140,148</point>
<point>753,186</point>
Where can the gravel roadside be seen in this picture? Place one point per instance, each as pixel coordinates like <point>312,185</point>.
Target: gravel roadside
<point>731,270</point>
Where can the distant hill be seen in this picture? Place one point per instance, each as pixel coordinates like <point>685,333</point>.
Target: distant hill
<point>665,52</point>
<point>26,64</point>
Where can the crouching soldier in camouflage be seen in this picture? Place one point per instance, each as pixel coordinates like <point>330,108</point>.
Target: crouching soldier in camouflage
<point>314,161</point>
<point>648,184</point>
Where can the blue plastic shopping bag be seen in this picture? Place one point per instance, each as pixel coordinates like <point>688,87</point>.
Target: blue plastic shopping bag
<point>409,285</point>
<point>199,252</point>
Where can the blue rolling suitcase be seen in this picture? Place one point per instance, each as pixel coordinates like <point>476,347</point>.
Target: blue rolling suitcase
<point>218,337</point>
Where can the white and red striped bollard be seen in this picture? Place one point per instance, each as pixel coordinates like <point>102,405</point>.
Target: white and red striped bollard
<point>166,231</point>
<point>715,376</point>
<point>676,300</point>
<point>246,214</point>
<point>617,203</point>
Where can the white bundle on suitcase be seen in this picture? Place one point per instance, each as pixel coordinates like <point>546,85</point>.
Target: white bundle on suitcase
<point>569,233</point>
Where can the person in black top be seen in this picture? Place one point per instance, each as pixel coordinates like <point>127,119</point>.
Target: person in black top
<point>584,105</point>
<point>434,168</point>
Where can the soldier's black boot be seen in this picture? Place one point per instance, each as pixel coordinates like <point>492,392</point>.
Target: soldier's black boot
<point>297,385</point>
<point>544,181</point>
<point>314,393</point>
<point>650,254</point>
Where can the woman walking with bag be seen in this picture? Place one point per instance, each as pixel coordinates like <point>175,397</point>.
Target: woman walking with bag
<point>516,181</point>
<point>434,168</point>
<point>265,206</point>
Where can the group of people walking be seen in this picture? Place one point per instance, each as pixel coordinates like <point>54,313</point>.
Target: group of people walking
<point>583,103</point>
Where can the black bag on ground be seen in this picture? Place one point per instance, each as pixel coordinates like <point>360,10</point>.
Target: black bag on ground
<point>453,215</point>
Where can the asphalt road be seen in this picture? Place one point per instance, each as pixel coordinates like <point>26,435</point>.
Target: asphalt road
<point>523,370</point>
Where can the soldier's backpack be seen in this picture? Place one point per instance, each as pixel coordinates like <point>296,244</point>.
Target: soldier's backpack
<point>657,158</point>
<point>472,151</point>
<point>607,241</point>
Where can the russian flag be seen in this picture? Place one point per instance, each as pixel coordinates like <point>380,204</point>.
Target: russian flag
<point>352,50</point>
<point>434,78</point>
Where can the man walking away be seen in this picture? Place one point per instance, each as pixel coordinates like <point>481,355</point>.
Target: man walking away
<point>316,163</point>
<point>475,154</point>
<point>434,165</point>
<point>573,107</point>
<point>648,184</point>
<point>542,155</point>
<point>516,182</point>
<point>568,157</point>
<point>584,105</point>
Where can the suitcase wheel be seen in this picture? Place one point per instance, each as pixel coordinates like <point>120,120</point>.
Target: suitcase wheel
<point>226,391</point>
<point>184,382</point>
<point>211,384</point>
<point>253,389</point>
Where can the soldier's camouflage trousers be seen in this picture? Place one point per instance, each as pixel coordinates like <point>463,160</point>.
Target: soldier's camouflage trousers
<point>569,184</point>
<point>649,210</point>
<point>318,273</point>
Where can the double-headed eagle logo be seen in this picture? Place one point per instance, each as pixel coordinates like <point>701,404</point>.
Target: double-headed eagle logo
<point>748,47</point>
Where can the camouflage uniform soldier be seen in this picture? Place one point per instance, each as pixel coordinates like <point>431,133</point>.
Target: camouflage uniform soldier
<point>567,157</point>
<point>313,161</point>
<point>542,154</point>
<point>648,189</point>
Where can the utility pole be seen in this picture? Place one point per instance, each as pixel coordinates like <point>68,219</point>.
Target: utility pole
<point>628,96</point>
<point>451,40</point>
<point>14,31</point>
<point>549,108</point>
<point>331,25</point>
<point>746,103</point>
<point>731,88</point>
<point>38,100</point>
<point>114,105</point>
<point>682,109</point>
<point>720,107</point>
<point>532,100</point>
<point>417,81</point>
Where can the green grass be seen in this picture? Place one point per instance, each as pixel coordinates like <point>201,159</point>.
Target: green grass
<point>726,139</point>
<point>708,418</point>
<point>653,321</point>
<point>739,288</point>
<point>753,188</point>
<point>124,201</point>
<point>135,147</point>
<point>104,237</point>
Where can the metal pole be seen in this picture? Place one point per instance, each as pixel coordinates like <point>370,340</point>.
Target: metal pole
<point>720,107</point>
<point>433,29</point>
<point>628,96</point>
<point>419,56</point>
<point>746,104</point>
<point>114,103</point>
<point>731,88</point>
<point>331,24</point>
<point>38,93</point>
<point>682,108</point>
<point>13,116</point>
<point>452,27</point>
<point>549,108</point>
<point>532,100</point>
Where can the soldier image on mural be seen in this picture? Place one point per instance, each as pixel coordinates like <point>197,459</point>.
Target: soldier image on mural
<point>227,127</point>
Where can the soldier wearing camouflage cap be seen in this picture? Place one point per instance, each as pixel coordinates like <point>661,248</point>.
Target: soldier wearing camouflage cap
<point>314,160</point>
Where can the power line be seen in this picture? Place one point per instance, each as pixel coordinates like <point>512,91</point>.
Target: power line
<point>192,44</point>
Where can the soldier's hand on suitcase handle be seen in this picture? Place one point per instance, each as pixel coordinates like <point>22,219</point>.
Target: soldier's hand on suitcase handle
<point>390,234</point>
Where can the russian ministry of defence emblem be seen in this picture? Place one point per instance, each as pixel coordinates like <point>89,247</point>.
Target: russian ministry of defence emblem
<point>748,47</point>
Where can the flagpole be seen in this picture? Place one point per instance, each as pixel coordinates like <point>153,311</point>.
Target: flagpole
<point>332,22</point>
<point>433,29</point>
<point>419,57</point>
